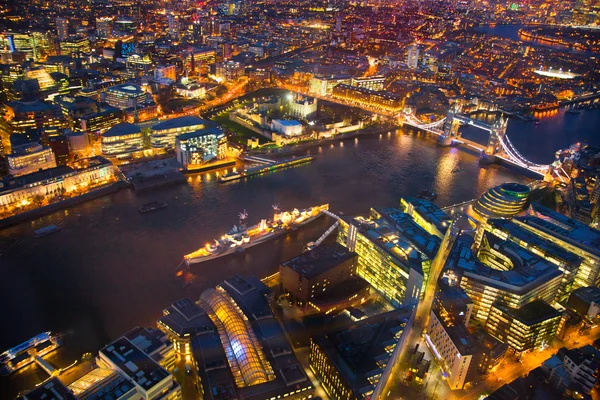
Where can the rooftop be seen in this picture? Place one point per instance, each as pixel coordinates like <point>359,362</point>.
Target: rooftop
<point>287,122</point>
<point>179,122</point>
<point>428,211</point>
<point>528,270</point>
<point>201,132</point>
<point>51,390</point>
<point>563,227</point>
<point>587,294</point>
<point>129,88</point>
<point>138,366</point>
<point>122,129</point>
<point>321,259</point>
<point>360,352</point>
<point>186,318</point>
<point>531,313</point>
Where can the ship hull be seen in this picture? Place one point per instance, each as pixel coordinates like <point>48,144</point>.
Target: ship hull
<point>253,242</point>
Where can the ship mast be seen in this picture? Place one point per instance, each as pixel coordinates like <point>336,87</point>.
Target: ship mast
<point>243,217</point>
<point>275,212</point>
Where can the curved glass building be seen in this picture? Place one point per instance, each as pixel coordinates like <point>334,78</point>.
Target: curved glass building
<point>243,350</point>
<point>503,201</point>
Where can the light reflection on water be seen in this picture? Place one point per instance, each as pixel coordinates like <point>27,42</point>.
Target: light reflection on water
<point>112,268</point>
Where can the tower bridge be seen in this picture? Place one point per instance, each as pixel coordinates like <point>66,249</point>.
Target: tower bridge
<point>499,145</point>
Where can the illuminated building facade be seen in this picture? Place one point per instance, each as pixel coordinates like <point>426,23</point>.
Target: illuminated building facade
<point>567,262</point>
<point>503,201</point>
<point>196,148</point>
<point>349,363</point>
<point>122,140</point>
<point>412,57</point>
<point>125,96</point>
<point>323,85</point>
<point>527,328</point>
<point>100,121</point>
<point>387,261</point>
<point>104,27</point>
<point>502,271</point>
<point>163,135</point>
<point>287,127</point>
<point>570,235</point>
<point>75,45</point>
<point>23,190</point>
<point>375,83</point>
<point>30,158</point>
<point>229,71</point>
<point>427,215</point>
<point>182,321</point>
<point>37,115</point>
<point>385,100</point>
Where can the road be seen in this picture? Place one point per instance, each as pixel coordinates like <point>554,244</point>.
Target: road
<point>190,383</point>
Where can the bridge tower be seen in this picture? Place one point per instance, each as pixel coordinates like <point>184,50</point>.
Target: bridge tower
<point>451,125</point>
<point>496,136</point>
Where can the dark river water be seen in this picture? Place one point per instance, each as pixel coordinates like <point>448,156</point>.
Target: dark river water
<point>111,268</point>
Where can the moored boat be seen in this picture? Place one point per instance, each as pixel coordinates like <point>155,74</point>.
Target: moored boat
<point>154,206</point>
<point>47,230</point>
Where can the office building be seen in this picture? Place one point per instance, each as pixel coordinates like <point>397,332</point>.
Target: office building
<point>98,122</point>
<point>503,201</point>
<point>412,58</point>
<point>247,354</point>
<point>74,45</point>
<point>530,327</point>
<point>125,96</point>
<point>182,321</point>
<point>323,85</point>
<point>229,71</point>
<point>570,235</point>
<point>303,107</point>
<point>195,148</point>
<point>104,27</point>
<point>502,271</point>
<point>165,72</point>
<point>122,141</point>
<point>566,261</point>
<point>427,215</point>
<point>349,363</point>
<point>155,344</point>
<point>387,261</point>
<point>585,301</point>
<point>163,135</point>
<point>29,158</point>
<point>150,379</point>
<point>315,272</point>
<point>59,145</point>
<point>287,127</point>
<point>52,389</point>
<point>24,117</point>
<point>62,28</point>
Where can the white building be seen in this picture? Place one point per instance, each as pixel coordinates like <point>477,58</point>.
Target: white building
<point>30,158</point>
<point>412,59</point>
<point>303,107</point>
<point>454,348</point>
<point>582,365</point>
<point>165,72</point>
<point>287,127</point>
<point>150,379</point>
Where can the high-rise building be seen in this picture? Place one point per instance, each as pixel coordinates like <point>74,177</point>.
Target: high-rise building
<point>386,260</point>
<point>122,140</point>
<point>104,27</point>
<point>125,96</point>
<point>412,58</point>
<point>62,28</point>
<point>503,201</point>
<point>174,25</point>
<point>229,71</point>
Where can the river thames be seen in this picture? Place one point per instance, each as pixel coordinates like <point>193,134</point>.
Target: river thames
<point>111,268</point>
